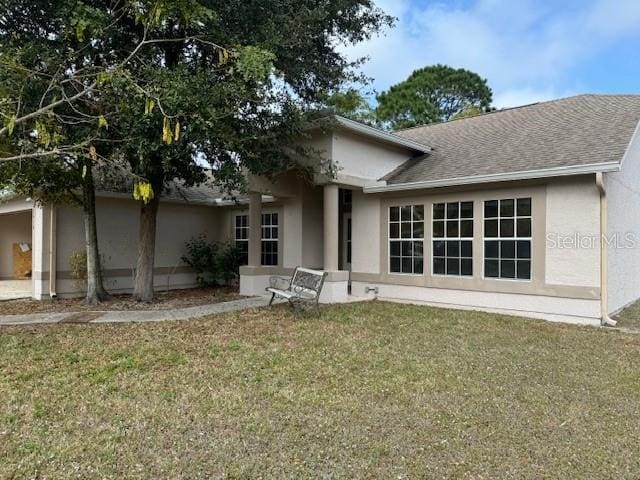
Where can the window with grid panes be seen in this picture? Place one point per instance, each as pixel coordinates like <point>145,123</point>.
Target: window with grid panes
<point>453,238</point>
<point>242,237</point>
<point>406,239</point>
<point>269,244</point>
<point>507,238</point>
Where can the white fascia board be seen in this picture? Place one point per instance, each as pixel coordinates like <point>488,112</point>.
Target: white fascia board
<point>497,177</point>
<point>381,135</point>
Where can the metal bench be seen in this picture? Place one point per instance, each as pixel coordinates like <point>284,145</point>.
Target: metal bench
<point>301,290</point>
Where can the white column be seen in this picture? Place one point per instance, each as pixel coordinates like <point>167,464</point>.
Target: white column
<point>331,236</point>
<point>255,229</point>
<point>40,252</point>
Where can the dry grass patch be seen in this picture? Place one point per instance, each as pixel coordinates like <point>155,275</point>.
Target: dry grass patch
<point>369,390</point>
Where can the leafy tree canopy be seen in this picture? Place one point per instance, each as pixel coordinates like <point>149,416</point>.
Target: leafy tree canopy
<point>165,89</point>
<point>232,77</point>
<point>353,105</point>
<point>432,94</point>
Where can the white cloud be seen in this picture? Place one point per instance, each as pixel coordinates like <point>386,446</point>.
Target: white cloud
<point>525,96</point>
<point>526,49</point>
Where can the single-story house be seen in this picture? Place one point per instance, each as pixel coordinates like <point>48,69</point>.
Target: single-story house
<point>503,212</point>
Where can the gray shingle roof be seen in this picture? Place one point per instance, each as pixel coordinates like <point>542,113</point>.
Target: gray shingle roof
<point>582,130</point>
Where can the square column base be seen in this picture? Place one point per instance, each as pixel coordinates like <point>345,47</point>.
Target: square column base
<point>336,287</point>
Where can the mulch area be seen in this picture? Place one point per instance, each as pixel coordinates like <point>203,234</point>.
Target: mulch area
<point>164,301</point>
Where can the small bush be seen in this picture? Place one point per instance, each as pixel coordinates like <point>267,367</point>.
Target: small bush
<point>78,268</point>
<point>215,263</point>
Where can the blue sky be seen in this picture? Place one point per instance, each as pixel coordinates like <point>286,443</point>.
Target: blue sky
<point>529,50</point>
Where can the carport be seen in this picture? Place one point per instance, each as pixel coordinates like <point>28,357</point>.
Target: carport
<point>16,250</point>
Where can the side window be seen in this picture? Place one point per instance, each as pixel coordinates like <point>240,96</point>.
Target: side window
<point>406,239</point>
<point>242,237</point>
<point>453,238</point>
<point>269,243</point>
<point>507,238</point>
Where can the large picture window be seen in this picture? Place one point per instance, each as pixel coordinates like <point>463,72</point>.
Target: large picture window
<point>453,238</point>
<point>507,238</point>
<point>406,239</point>
<point>242,237</point>
<point>269,244</point>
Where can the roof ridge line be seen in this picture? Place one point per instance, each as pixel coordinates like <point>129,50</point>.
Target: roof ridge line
<point>516,107</point>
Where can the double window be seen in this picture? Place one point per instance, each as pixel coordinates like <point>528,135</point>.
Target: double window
<point>507,238</point>
<point>269,243</point>
<point>453,238</point>
<point>242,237</point>
<point>406,239</point>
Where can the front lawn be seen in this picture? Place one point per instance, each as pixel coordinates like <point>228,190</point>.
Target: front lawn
<point>372,390</point>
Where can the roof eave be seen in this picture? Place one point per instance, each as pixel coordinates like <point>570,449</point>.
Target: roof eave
<point>380,187</point>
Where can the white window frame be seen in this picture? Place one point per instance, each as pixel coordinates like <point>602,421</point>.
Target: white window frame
<point>272,239</point>
<point>515,238</point>
<point>453,239</point>
<point>401,239</point>
<point>244,228</point>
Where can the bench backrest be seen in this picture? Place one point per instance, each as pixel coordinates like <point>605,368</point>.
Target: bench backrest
<point>308,281</point>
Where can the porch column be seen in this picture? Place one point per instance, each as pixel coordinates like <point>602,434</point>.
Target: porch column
<point>40,252</point>
<point>255,229</point>
<point>331,236</point>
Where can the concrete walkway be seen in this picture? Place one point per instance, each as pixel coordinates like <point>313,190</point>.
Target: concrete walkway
<point>135,316</point>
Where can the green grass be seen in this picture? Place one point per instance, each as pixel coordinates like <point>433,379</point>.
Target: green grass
<point>630,317</point>
<point>369,390</point>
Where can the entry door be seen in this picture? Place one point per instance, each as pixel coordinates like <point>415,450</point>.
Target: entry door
<point>346,241</point>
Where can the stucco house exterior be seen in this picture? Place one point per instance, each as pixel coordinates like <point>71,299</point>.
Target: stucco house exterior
<point>501,212</point>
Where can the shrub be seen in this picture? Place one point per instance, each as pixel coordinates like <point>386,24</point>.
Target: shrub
<point>215,263</point>
<point>78,268</point>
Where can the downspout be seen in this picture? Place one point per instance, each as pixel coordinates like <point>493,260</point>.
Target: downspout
<point>52,254</point>
<point>604,310</point>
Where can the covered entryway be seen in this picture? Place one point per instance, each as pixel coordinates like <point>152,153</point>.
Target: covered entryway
<point>16,250</point>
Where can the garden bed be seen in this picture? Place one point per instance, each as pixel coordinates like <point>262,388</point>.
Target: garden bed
<point>164,301</point>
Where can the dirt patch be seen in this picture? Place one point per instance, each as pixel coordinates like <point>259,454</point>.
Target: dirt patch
<point>118,303</point>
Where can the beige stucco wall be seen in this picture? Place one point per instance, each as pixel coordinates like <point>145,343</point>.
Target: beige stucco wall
<point>312,228</point>
<point>118,224</point>
<point>365,238</point>
<point>14,228</point>
<point>291,231</point>
<point>565,206</point>
<point>573,229</point>
<point>569,310</point>
<point>623,205</point>
<point>358,157</point>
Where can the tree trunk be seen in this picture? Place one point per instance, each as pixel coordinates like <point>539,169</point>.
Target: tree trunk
<point>95,288</point>
<point>143,285</point>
